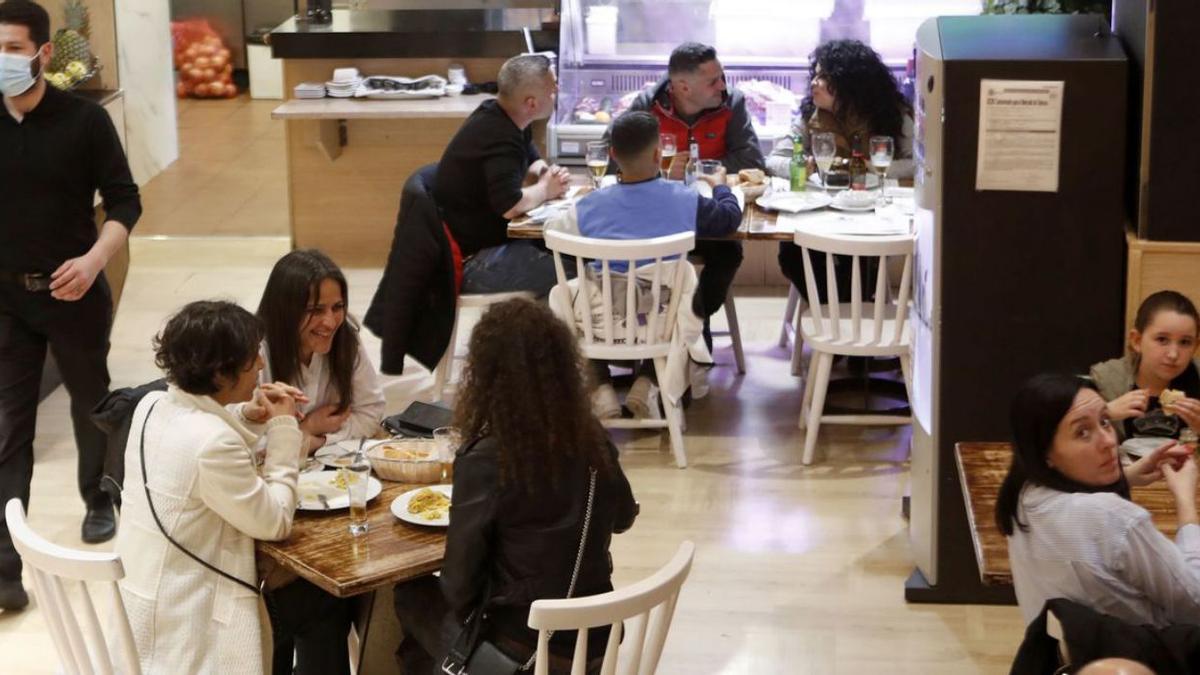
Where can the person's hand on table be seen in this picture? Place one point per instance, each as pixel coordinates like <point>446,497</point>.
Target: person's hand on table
<point>1132,404</point>
<point>714,179</point>
<point>324,420</point>
<point>553,184</point>
<point>1182,484</point>
<point>1149,469</point>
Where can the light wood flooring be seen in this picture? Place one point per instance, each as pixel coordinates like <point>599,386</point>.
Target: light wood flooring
<point>798,570</point>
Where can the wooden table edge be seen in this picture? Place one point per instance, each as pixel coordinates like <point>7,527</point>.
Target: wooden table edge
<point>976,544</point>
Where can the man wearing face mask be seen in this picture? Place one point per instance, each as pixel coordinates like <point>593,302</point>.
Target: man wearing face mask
<point>57,151</point>
<point>694,104</point>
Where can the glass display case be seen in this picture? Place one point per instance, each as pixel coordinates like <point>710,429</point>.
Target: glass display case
<point>609,50</point>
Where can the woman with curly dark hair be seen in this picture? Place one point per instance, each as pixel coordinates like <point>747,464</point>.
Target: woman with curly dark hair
<point>854,96</point>
<point>521,484</point>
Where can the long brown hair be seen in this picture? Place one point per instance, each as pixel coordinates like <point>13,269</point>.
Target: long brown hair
<point>294,282</point>
<point>525,386</point>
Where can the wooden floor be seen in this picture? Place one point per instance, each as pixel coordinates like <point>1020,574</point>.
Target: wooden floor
<point>798,570</point>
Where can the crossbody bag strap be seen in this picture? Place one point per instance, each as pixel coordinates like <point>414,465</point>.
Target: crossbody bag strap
<point>153,512</point>
<point>587,523</point>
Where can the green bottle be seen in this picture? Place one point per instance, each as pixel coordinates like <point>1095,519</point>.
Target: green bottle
<point>799,168</point>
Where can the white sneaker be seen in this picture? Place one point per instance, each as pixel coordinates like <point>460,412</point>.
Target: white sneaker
<point>605,403</point>
<point>638,399</point>
<point>698,379</point>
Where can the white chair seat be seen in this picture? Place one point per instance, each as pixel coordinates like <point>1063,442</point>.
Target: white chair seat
<point>443,373</point>
<point>866,344</point>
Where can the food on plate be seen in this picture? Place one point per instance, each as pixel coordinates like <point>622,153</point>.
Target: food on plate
<point>429,505</point>
<point>397,451</point>
<point>1168,398</point>
<point>751,177</point>
<point>342,479</point>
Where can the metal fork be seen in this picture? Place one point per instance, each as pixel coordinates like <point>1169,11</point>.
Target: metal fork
<point>324,501</point>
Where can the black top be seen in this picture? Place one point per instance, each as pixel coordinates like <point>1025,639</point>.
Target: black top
<point>1157,424</point>
<point>51,165</point>
<point>480,177</point>
<point>527,545</point>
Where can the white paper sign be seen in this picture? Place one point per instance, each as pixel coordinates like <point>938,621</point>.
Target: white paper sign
<point>1020,127</point>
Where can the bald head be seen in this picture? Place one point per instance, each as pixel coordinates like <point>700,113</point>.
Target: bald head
<point>1115,667</point>
<point>521,74</point>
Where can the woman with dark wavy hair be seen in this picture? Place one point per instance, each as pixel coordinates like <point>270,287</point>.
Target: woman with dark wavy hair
<point>1072,530</point>
<point>521,483</point>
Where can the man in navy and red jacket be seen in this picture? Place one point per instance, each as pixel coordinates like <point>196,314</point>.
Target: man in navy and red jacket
<point>693,104</point>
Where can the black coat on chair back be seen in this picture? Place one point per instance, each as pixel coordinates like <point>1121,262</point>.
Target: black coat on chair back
<point>413,308</point>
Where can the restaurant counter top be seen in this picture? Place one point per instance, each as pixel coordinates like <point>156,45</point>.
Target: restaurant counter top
<point>362,108</point>
<point>458,33</point>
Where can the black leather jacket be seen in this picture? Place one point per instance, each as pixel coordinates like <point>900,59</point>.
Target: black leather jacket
<point>526,545</point>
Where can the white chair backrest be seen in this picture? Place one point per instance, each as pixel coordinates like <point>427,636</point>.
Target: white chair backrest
<point>53,569</point>
<point>867,319</point>
<point>614,332</point>
<point>648,605</point>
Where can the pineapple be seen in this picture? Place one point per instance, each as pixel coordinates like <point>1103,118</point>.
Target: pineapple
<point>71,42</point>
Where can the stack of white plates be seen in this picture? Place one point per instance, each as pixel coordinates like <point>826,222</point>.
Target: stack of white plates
<point>344,89</point>
<point>309,90</point>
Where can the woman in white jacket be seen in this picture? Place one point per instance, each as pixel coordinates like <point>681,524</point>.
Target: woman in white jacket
<point>199,471</point>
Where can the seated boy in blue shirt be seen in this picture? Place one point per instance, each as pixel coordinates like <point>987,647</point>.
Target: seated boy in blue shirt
<point>642,205</point>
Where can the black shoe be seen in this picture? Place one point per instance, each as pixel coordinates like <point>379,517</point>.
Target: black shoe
<point>12,595</point>
<point>99,525</point>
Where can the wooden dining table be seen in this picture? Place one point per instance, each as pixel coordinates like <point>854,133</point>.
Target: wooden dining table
<point>758,224</point>
<point>981,470</point>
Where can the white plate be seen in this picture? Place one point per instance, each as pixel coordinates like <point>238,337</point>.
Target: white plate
<point>400,507</point>
<point>814,180</point>
<point>322,482</point>
<point>338,454</point>
<point>852,208</point>
<point>794,202</point>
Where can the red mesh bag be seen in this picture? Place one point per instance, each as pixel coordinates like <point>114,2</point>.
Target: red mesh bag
<point>203,61</point>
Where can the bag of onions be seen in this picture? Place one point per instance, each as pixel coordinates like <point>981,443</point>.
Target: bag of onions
<point>203,61</point>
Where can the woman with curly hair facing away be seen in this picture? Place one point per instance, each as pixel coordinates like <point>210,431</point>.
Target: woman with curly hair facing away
<point>521,483</point>
<point>200,485</point>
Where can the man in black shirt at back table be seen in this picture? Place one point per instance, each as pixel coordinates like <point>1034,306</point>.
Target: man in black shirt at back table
<point>491,172</point>
<point>56,150</point>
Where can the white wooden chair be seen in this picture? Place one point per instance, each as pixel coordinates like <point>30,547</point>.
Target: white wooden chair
<point>604,340</point>
<point>53,569</point>
<point>731,318</point>
<point>648,605</point>
<point>854,328</point>
<point>442,386</point>
<point>794,301</point>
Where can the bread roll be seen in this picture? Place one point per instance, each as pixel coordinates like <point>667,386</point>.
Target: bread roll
<point>751,176</point>
<point>1167,400</point>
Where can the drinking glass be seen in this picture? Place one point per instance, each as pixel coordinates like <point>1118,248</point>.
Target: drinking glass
<point>709,167</point>
<point>356,475</point>
<point>882,149</point>
<point>666,143</point>
<point>597,161</point>
<point>824,150</point>
<point>447,441</point>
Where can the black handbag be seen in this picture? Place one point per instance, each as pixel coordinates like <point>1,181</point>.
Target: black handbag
<point>471,656</point>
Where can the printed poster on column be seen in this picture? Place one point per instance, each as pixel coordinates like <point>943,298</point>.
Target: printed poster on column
<point>1020,129</point>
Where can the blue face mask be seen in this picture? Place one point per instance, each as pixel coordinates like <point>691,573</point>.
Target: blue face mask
<point>17,74</point>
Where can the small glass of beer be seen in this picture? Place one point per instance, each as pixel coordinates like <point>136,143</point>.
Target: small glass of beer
<point>597,161</point>
<point>356,474</point>
<point>666,143</point>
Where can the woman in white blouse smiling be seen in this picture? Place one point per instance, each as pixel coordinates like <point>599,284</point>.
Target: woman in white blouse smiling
<point>1073,531</point>
<point>311,345</point>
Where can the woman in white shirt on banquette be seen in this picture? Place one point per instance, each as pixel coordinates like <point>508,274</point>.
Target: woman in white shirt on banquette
<point>311,345</point>
<point>1073,531</point>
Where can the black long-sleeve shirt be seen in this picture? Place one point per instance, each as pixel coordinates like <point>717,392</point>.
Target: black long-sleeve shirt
<point>51,164</point>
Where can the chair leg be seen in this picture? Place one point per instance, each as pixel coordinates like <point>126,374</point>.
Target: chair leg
<point>906,372</point>
<point>806,399</point>
<point>735,334</point>
<point>441,374</point>
<point>674,418</point>
<point>797,342</point>
<point>817,408</point>
<point>788,313</point>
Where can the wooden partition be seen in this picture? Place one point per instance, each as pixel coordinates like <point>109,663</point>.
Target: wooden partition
<point>1160,265</point>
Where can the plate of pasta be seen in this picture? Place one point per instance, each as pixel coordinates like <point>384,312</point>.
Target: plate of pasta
<point>331,485</point>
<point>424,506</point>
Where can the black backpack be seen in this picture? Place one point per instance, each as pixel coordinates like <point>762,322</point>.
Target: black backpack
<point>113,415</point>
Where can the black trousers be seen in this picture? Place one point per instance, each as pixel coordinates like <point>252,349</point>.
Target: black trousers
<point>77,334</point>
<point>721,262</point>
<point>309,626</point>
<point>428,624</point>
<point>791,263</point>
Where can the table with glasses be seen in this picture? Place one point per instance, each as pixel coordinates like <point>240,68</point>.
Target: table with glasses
<point>981,470</point>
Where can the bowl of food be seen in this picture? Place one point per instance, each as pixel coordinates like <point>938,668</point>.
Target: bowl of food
<point>753,182</point>
<point>406,460</point>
